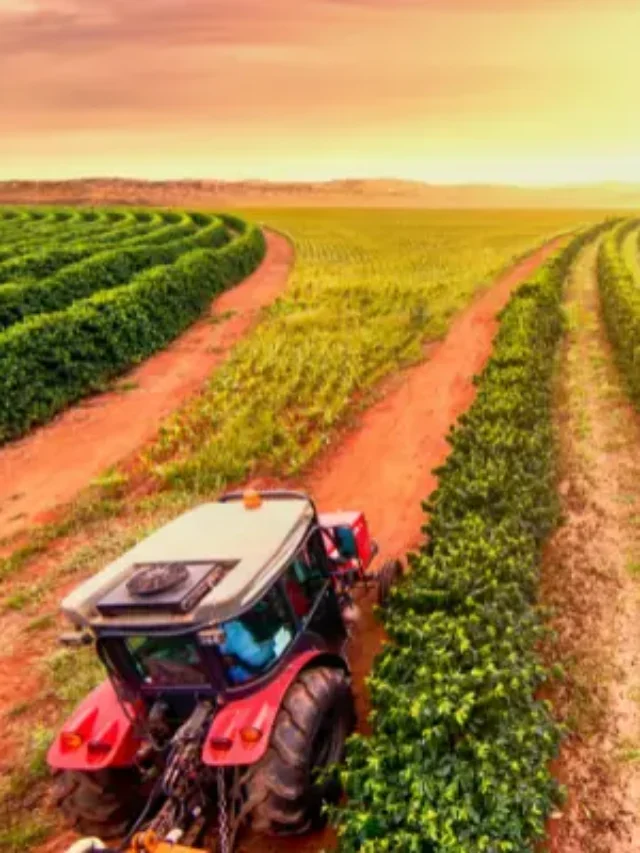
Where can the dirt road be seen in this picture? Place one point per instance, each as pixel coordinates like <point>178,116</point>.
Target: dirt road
<point>51,465</point>
<point>591,579</point>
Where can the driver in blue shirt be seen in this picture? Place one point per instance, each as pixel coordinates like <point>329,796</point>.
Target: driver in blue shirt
<point>241,643</point>
<point>257,655</point>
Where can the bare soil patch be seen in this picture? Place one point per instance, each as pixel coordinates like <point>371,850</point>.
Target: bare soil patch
<point>590,578</point>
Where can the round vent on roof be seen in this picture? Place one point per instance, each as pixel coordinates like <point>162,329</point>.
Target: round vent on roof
<point>157,578</point>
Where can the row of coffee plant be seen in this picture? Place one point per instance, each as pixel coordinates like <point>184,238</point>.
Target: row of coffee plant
<point>620,298</point>
<point>120,307</point>
<point>45,255</point>
<point>101,271</point>
<point>458,759</point>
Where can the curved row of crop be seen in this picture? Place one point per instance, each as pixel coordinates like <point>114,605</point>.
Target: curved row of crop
<point>31,221</point>
<point>620,298</point>
<point>25,236</point>
<point>51,257</point>
<point>39,214</point>
<point>22,229</point>
<point>101,271</point>
<point>102,228</point>
<point>51,360</point>
<point>147,223</point>
<point>458,759</point>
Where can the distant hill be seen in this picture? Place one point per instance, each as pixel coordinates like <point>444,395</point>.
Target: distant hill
<point>343,193</point>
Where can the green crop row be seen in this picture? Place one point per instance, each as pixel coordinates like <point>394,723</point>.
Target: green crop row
<point>458,759</point>
<point>50,257</point>
<point>27,237</point>
<point>620,296</point>
<point>51,360</point>
<point>106,227</point>
<point>28,220</point>
<point>101,271</point>
<point>186,226</point>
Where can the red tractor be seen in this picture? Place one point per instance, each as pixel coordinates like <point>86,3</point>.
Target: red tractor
<point>229,691</point>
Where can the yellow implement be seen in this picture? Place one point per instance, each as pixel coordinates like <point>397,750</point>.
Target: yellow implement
<point>148,842</point>
<point>143,842</point>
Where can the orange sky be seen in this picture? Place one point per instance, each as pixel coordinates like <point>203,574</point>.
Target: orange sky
<point>527,91</point>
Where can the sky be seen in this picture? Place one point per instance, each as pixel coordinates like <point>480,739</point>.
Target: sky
<point>445,91</point>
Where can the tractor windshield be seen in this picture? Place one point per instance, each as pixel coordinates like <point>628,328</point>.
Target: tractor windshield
<point>167,661</point>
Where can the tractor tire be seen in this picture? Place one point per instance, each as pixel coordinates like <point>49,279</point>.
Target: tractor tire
<point>314,721</point>
<point>104,803</point>
<point>388,577</point>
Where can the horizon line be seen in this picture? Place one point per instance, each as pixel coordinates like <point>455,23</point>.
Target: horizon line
<point>327,181</point>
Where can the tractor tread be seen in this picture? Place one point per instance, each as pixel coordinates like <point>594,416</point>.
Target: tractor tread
<point>285,801</point>
<point>103,803</point>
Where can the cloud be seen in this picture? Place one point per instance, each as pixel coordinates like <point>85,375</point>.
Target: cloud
<point>481,7</point>
<point>56,26</point>
<point>303,78</point>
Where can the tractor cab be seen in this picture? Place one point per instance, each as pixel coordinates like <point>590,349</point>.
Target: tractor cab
<point>219,597</point>
<point>207,628</point>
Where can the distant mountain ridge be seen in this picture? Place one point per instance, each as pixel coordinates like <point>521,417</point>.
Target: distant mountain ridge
<point>343,192</point>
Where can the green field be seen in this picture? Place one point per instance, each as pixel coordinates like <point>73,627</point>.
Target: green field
<point>86,294</point>
<point>368,289</point>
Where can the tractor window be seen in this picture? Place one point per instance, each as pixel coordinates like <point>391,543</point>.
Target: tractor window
<point>167,661</point>
<point>255,641</point>
<point>295,588</point>
<point>307,575</point>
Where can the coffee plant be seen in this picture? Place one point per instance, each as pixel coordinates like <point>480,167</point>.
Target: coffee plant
<point>459,756</point>
<point>620,295</point>
<point>65,336</point>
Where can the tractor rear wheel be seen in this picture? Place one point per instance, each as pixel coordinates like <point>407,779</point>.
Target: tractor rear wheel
<point>101,802</point>
<point>316,717</point>
<point>388,577</point>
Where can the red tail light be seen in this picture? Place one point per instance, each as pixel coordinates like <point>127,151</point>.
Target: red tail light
<point>71,740</point>
<point>250,734</point>
<point>222,743</point>
<point>98,747</point>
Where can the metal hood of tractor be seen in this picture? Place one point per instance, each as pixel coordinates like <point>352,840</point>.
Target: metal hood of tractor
<point>260,540</point>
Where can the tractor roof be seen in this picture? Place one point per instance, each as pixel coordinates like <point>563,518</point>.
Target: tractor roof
<point>256,542</point>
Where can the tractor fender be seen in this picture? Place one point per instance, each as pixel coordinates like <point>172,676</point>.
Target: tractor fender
<point>224,746</point>
<point>98,734</point>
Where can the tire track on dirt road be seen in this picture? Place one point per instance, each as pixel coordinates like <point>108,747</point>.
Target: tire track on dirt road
<point>52,464</point>
<point>590,579</point>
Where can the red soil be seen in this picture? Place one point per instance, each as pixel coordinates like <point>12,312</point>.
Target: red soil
<point>385,467</point>
<point>51,465</point>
